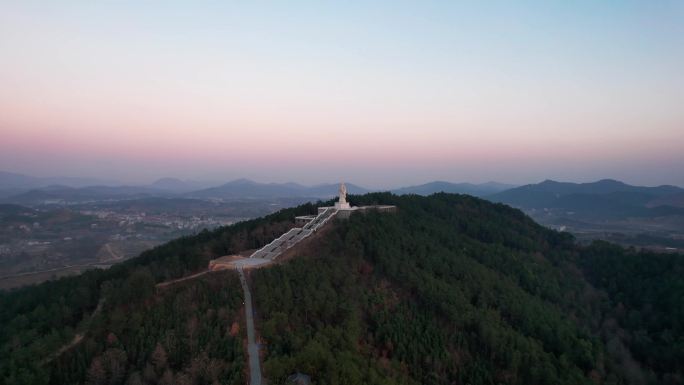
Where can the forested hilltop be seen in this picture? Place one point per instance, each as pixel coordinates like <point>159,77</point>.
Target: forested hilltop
<point>451,289</point>
<point>455,290</point>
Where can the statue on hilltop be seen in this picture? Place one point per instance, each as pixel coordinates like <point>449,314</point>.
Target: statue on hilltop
<point>343,193</point>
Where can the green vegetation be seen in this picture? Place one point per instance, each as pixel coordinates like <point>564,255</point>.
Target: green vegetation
<point>646,312</point>
<point>36,321</point>
<point>186,335</point>
<point>450,289</point>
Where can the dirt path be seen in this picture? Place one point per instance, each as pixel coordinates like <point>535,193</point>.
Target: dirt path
<point>115,256</point>
<point>167,283</point>
<point>78,337</point>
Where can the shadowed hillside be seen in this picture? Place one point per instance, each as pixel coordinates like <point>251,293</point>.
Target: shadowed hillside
<point>450,289</point>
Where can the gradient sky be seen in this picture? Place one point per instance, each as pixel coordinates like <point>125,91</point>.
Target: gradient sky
<point>380,93</point>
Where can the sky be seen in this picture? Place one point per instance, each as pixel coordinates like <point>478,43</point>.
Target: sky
<point>380,93</point>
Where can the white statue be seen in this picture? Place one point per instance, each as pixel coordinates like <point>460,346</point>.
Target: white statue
<point>343,193</point>
<point>342,203</point>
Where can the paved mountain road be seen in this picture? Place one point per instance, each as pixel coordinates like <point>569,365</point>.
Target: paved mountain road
<point>252,347</point>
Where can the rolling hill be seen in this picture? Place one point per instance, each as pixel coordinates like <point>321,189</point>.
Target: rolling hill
<point>65,194</point>
<point>602,199</point>
<point>676,200</point>
<point>10,180</point>
<point>450,289</point>
<point>547,192</point>
<point>179,186</point>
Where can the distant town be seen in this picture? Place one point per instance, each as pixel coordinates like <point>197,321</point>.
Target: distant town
<point>52,240</point>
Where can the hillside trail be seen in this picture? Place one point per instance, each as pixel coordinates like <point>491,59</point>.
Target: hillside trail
<point>171,282</point>
<point>78,337</point>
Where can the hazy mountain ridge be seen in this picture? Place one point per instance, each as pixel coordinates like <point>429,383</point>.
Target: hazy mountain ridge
<point>65,194</point>
<point>583,196</point>
<point>11,180</point>
<point>650,217</point>
<point>480,190</point>
<point>606,196</point>
<point>245,188</point>
<point>179,185</point>
<point>26,190</point>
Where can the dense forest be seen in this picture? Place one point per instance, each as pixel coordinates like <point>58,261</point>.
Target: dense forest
<point>38,322</point>
<point>455,290</point>
<point>450,289</point>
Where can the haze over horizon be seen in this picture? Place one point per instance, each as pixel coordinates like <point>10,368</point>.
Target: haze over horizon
<point>373,187</point>
<point>382,95</point>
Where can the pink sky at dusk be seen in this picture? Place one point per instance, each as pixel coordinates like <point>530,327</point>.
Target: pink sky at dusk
<point>378,96</point>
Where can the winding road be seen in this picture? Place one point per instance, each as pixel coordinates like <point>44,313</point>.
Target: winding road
<point>252,347</point>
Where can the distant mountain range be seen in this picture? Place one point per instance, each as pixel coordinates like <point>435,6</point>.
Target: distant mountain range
<point>245,188</point>
<point>181,186</point>
<point>479,190</point>
<point>65,194</point>
<point>14,181</point>
<point>605,198</point>
<point>236,189</point>
<point>25,190</point>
